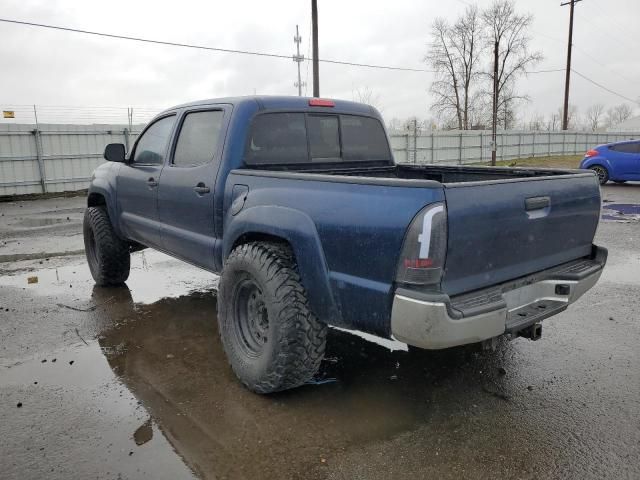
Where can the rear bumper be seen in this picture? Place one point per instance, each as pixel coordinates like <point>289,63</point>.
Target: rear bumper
<point>435,321</point>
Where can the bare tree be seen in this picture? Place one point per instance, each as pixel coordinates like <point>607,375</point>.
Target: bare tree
<point>553,123</point>
<point>536,123</point>
<point>594,116</point>
<point>572,117</point>
<point>368,96</point>
<point>618,114</point>
<point>509,31</point>
<point>454,54</point>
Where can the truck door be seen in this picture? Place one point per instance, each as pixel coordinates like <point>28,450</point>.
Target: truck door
<point>185,196</point>
<point>138,181</point>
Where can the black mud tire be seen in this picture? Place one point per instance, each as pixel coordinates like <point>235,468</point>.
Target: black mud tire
<point>271,338</point>
<point>107,254</point>
<point>601,172</point>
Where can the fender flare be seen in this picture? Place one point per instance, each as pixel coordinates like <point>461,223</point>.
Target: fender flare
<point>103,188</point>
<point>299,231</point>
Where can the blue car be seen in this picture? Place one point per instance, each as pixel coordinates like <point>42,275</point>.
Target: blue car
<point>618,162</point>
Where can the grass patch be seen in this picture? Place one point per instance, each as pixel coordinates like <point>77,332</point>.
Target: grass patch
<point>556,161</point>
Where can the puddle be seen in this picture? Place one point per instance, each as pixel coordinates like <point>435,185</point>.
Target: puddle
<point>621,212</point>
<point>143,433</point>
<point>75,419</point>
<point>169,355</point>
<point>154,275</point>
<point>41,222</point>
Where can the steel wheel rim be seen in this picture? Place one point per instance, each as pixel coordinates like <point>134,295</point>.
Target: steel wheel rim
<point>251,324</point>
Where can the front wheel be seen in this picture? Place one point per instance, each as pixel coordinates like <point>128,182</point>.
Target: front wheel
<point>107,254</point>
<point>272,339</point>
<point>601,172</point>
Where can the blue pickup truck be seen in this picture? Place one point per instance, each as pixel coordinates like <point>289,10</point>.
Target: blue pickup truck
<point>297,203</point>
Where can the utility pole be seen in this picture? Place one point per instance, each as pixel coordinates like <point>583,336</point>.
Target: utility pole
<point>494,111</point>
<point>565,110</point>
<point>298,59</point>
<point>314,33</point>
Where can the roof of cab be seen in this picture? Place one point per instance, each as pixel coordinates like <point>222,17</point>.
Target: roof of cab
<point>268,102</point>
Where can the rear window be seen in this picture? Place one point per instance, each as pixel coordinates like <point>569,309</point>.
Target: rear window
<point>278,138</point>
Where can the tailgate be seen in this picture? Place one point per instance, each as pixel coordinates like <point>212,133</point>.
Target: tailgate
<point>501,230</point>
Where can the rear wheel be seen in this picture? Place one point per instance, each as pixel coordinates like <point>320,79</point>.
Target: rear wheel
<point>107,254</point>
<point>603,174</point>
<point>272,339</point>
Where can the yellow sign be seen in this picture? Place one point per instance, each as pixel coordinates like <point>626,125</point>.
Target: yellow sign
<point>8,114</point>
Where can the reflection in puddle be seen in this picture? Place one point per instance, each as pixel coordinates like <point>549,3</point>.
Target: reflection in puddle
<point>154,275</point>
<point>621,211</point>
<point>169,355</point>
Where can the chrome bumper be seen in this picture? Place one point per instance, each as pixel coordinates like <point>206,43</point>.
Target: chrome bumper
<point>432,324</point>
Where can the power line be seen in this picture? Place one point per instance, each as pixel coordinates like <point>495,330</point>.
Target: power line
<point>203,47</point>
<point>604,88</point>
<point>227,50</point>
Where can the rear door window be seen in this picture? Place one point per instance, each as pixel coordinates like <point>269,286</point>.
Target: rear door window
<point>198,139</point>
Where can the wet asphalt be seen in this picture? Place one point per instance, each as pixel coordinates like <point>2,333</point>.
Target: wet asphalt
<point>132,382</point>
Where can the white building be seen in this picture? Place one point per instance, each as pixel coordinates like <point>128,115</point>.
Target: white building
<point>630,125</point>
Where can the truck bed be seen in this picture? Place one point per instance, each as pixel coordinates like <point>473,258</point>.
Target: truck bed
<point>502,222</point>
<point>439,173</point>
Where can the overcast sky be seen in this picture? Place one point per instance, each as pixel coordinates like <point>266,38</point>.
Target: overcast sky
<point>53,68</point>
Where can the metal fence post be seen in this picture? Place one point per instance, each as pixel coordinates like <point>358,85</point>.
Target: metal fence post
<point>415,140</point>
<point>482,146</point>
<point>126,139</point>
<point>533,144</point>
<point>519,144</point>
<point>407,147</point>
<point>432,148</point>
<point>38,139</point>
<point>460,148</point>
<point>549,145</point>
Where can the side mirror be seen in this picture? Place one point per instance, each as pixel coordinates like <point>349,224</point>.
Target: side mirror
<point>114,152</point>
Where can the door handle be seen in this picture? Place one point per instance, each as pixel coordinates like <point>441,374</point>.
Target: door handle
<point>201,189</point>
<point>536,203</point>
<point>152,182</point>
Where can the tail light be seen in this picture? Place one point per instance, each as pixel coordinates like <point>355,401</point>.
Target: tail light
<point>591,153</point>
<point>424,248</point>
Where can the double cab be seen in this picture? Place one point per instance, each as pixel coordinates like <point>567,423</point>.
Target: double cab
<point>299,207</point>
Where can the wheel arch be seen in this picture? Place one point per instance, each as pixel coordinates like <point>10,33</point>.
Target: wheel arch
<point>99,196</point>
<point>295,229</point>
